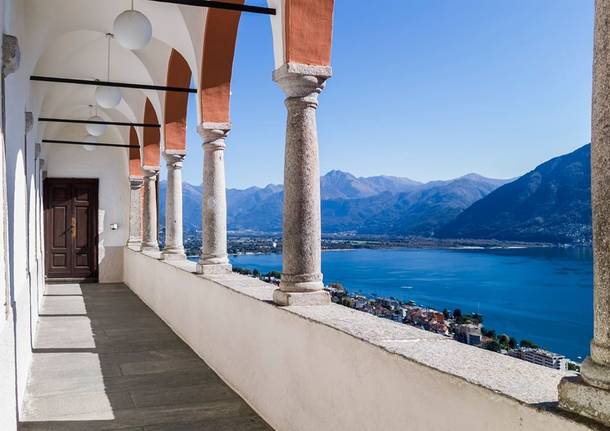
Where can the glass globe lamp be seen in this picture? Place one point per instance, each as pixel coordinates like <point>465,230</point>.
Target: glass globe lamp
<point>132,30</point>
<point>90,140</point>
<point>108,97</point>
<point>95,129</point>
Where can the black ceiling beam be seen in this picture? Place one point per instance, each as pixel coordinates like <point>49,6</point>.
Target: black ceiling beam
<point>109,123</point>
<point>97,144</point>
<point>112,84</point>
<point>223,5</point>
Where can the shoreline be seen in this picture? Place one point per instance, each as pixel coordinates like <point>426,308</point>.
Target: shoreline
<point>271,243</point>
<point>416,247</point>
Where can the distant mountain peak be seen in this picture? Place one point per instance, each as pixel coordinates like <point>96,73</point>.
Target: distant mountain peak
<point>473,176</point>
<point>339,174</point>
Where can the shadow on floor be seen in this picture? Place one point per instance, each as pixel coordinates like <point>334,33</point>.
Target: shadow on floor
<point>104,361</point>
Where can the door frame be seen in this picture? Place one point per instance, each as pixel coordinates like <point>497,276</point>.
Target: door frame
<point>94,202</point>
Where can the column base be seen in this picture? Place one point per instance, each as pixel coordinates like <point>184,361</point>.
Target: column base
<point>173,255</point>
<point>318,297</point>
<point>595,374</point>
<point>135,245</point>
<point>214,268</point>
<point>152,251</point>
<point>576,396</point>
<point>311,282</point>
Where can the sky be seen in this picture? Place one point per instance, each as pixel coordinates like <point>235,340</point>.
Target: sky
<point>425,89</point>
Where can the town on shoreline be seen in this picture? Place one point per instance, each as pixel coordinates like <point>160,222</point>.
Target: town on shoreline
<point>466,328</point>
<point>255,243</point>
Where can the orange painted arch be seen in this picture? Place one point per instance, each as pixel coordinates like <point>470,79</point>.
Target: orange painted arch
<point>308,27</point>
<point>152,138</point>
<point>219,39</point>
<point>176,104</point>
<point>135,165</point>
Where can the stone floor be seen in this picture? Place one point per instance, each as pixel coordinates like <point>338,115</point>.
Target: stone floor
<point>104,361</point>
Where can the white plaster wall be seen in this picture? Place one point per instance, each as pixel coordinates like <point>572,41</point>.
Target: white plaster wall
<point>20,181</point>
<point>16,92</point>
<point>301,374</point>
<point>17,332</point>
<point>109,165</point>
<point>8,401</point>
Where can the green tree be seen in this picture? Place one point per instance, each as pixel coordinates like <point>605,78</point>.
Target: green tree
<point>256,273</point>
<point>503,340</point>
<point>573,366</point>
<point>528,343</point>
<point>446,313</point>
<point>494,346</point>
<point>512,343</point>
<point>477,318</point>
<point>242,271</point>
<point>489,333</point>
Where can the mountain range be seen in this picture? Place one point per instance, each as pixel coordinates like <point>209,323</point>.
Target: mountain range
<point>549,204</point>
<point>371,205</point>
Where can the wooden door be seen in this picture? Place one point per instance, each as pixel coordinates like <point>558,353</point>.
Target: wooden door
<point>70,215</point>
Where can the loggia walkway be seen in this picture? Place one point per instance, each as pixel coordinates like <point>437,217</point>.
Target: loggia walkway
<point>104,361</point>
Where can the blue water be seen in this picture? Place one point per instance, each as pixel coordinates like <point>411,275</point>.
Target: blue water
<point>542,294</point>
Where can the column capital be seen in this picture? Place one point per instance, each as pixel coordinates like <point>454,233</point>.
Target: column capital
<point>302,82</point>
<point>174,160</point>
<point>29,122</point>
<point>150,172</point>
<point>135,182</point>
<point>214,133</point>
<point>11,55</point>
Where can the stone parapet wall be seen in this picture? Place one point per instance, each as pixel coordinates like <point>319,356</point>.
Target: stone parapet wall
<point>334,368</point>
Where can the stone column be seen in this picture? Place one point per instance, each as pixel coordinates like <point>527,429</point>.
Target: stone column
<point>11,54</point>
<point>174,248</point>
<point>301,282</point>
<point>213,258</point>
<point>135,213</point>
<point>590,395</point>
<point>150,241</point>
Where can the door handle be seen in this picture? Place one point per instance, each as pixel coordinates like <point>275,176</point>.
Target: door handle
<point>73,227</point>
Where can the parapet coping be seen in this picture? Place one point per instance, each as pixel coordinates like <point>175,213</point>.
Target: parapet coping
<point>527,383</point>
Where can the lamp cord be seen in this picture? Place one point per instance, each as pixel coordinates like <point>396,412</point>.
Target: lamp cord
<point>108,64</point>
<point>131,4</point>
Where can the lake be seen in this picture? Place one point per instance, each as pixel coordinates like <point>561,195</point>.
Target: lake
<point>541,294</point>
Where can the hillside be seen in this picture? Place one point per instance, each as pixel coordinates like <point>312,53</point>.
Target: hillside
<point>552,203</point>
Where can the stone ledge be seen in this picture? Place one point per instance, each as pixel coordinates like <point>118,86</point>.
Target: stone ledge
<point>518,379</point>
<point>531,386</point>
